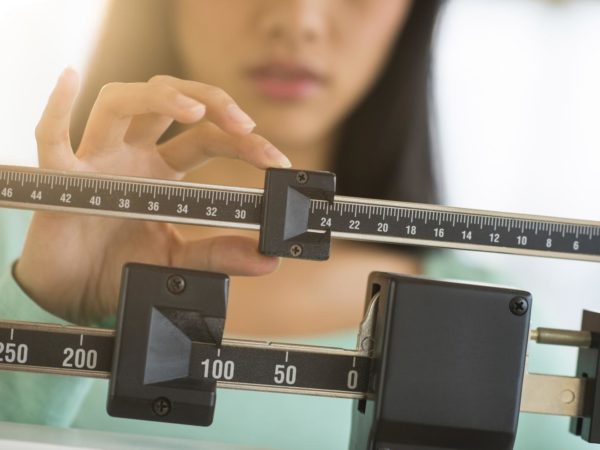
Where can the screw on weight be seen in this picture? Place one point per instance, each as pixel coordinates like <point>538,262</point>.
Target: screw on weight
<point>302,177</point>
<point>296,250</point>
<point>176,284</point>
<point>518,306</point>
<point>161,406</point>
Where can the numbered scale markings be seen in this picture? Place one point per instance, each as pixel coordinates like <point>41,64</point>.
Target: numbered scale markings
<point>348,217</point>
<point>237,364</point>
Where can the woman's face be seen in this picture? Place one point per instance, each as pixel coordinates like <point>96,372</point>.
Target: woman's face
<point>296,66</point>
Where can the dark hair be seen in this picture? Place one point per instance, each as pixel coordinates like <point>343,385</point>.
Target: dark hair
<point>384,150</point>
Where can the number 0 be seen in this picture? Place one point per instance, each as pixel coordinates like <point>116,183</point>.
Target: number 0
<point>352,379</point>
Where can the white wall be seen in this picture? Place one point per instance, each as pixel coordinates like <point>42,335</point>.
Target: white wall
<point>518,88</point>
<point>38,39</point>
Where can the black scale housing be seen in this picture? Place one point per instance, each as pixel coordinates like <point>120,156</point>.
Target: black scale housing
<point>286,212</point>
<point>588,366</point>
<point>448,367</point>
<point>152,376</point>
<point>447,370</point>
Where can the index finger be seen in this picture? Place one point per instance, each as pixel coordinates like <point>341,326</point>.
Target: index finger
<point>198,145</point>
<point>221,108</point>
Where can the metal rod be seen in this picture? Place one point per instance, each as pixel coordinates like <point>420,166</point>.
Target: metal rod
<point>541,394</point>
<point>347,218</point>
<point>221,384</point>
<point>570,338</point>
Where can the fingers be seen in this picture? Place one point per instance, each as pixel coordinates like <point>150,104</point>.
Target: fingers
<point>234,255</point>
<point>146,130</point>
<point>52,131</point>
<point>139,113</point>
<point>205,141</point>
<point>135,115</point>
<point>221,108</point>
<point>117,103</point>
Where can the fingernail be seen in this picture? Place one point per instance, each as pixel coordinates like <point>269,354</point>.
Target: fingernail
<point>277,157</point>
<point>69,74</point>
<point>240,116</point>
<point>68,71</point>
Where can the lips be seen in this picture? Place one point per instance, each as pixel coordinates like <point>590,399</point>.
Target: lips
<point>286,81</point>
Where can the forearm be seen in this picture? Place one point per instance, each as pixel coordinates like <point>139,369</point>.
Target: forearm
<point>29,397</point>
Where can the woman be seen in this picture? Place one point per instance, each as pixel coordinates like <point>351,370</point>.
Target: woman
<point>337,85</point>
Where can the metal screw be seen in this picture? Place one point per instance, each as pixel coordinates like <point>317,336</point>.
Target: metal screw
<point>518,306</point>
<point>296,250</point>
<point>161,406</point>
<point>302,177</point>
<point>567,396</point>
<point>176,284</point>
<point>366,345</point>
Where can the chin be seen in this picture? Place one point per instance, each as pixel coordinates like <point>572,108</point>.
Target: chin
<point>293,129</point>
<point>293,136</point>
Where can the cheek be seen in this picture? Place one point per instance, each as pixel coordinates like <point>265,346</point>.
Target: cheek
<point>204,32</point>
<point>365,43</point>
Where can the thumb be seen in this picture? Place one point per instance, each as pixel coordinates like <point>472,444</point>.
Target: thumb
<point>233,255</point>
<point>52,131</point>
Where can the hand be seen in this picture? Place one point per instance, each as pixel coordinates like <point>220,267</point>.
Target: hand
<point>71,264</point>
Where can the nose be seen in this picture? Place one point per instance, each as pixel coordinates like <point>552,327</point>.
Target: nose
<point>294,21</point>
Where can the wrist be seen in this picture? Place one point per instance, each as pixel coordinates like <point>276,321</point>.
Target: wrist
<point>23,282</point>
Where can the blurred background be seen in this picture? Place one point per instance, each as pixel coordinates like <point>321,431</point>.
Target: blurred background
<point>516,88</point>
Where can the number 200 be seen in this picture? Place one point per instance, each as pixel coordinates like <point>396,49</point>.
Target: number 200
<point>80,358</point>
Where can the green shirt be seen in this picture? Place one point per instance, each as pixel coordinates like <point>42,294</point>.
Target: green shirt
<point>267,420</point>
